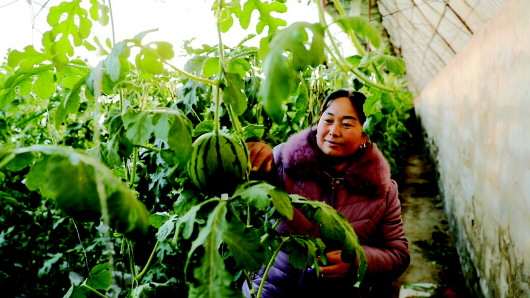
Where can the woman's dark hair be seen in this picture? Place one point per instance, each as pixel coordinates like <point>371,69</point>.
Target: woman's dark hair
<point>357,99</point>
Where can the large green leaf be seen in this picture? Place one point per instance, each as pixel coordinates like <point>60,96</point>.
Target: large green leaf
<point>288,54</point>
<point>75,180</point>
<point>334,228</point>
<point>244,245</point>
<point>70,25</point>
<point>233,92</point>
<point>138,127</point>
<point>210,276</point>
<point>173,127</point>
<point>304,250</point>
<point>44,86</point>
<point>70,103</point>
<point>116,63</point>
<point>244,14</point>
<point>260,195</point>
<point>100,277</point>
<point>28,59</point>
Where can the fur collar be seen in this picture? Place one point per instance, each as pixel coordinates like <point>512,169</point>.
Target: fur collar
<point>367,173</point>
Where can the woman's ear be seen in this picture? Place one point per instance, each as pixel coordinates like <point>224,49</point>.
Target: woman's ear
<point>365,138</point>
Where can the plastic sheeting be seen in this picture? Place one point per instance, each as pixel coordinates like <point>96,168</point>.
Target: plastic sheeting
<point>429,33</point>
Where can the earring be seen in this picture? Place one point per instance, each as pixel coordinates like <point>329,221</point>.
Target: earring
<point>363,146</point>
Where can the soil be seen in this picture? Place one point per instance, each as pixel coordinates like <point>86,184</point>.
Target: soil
<point>435,269</point>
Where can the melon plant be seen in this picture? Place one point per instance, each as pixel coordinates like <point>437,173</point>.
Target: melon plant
<point>218,163</point>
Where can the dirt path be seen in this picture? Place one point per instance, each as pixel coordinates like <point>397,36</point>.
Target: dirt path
<point>435,269</point>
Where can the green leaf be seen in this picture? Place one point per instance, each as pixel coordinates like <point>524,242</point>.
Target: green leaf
<point>156,220</point>
<point>260,195</point>
<point>279,70</point>
<point>255,193</point>
<point>362,27</point>
<point>70,104</point>
<point>203,127</point>
<point>16,162</point>
<point>210,276</point>
<point>179,138</point>
<point>186,223</point>
<point>264,8</point>
<point>253,130</point>
<point>149,63</point>
<point>116,64</point>
<point>100,277</point>
<point>166,229</point>
<point>49,263</point>
<point>282,203</point>
<point>210,67</point>
<point>28,59</point>
<point>372,104</point>
<point>99,12</point>
<point>238,66</point>
<point>6,97</point>
<point>394,64</point>
<point>70,26</point>
<point>138,127</point>
<point>44,85</point>
<point>390,63</point>
<point>72,178</point>
<point>276,86</point>
<point>334,230</point>
<point>163,49</point>
<point>304,251</point>
<point>244,245</point>
<point>233,94</point>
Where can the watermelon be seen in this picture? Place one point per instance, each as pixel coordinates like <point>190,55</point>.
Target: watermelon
<point>218,163</point>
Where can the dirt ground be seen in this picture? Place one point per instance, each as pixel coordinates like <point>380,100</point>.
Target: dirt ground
<point>435,268</point>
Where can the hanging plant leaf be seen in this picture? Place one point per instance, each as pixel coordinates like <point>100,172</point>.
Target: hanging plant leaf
<point>75,180</point>
<point>244,245</point>
<point>287,54</point>
<point>362,27</point>
<point>335,229</point>
<point>210,275</point>
<point>233,93</point>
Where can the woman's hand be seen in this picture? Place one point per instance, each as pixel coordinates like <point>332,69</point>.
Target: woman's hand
<point>261,157</point>
<point>336,268</point>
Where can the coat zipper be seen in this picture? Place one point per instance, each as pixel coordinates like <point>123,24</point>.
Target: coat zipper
<point>335,182</point>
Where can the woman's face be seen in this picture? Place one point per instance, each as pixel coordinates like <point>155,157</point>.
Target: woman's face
<point>339,132</point>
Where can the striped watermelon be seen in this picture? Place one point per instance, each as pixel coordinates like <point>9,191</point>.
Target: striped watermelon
<point>218,163</point>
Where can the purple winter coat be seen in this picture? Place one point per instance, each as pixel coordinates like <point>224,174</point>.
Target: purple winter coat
<point>364,194</point>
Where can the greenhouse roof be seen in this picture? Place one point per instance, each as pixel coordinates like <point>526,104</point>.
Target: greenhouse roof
<point>429,33</point>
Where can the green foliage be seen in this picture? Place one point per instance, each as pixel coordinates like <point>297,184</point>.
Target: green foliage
<point>79,184</point>
<point>94,150</point>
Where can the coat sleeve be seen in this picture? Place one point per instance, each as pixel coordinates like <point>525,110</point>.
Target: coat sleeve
<point>389,258</point>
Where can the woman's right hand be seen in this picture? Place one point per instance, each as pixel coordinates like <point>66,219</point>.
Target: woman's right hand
<point>261,157</point>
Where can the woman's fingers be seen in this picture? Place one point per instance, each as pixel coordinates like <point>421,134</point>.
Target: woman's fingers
<point>336,268</point>
<point>260,156</point>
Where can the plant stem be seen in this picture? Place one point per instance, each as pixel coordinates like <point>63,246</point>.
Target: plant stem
<point>133,165</point>
<point>91,289</point>
<point>269,266</point>
<point>235,121</point>
<point>343,63</point>
<point>149,148</point>
<point>221,68</point>
<point>112,24</point>
<point>182,72</point>
<point>352,35</point>
<point>151,257</point>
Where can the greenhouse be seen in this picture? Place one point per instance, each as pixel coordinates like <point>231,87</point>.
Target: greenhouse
<point>265,148</point>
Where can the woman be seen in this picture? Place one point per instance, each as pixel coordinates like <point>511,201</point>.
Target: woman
<point>334,162</point>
